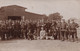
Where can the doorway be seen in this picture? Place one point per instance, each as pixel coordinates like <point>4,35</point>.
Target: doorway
<point>14,17</point>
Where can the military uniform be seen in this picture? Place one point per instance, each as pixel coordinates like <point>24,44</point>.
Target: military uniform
<point>9,35</point>
<point>53,27</point>
<point>73,30</point>
<point>49,34</point>
<point>22,30</point>
<point>59,30</point>
<point>63,30</point>
<point>68,30</point>
<point>48,26</point>
<point>26,30</point>
<point>2,32</point>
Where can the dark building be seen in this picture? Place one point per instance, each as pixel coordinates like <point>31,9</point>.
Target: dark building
<point>16,12</point>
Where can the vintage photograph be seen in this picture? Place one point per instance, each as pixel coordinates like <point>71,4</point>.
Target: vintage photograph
<point>39,25</point>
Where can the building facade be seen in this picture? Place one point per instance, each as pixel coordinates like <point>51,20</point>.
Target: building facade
<point>16,12</point>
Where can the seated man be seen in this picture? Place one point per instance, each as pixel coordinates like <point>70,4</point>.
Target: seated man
<point>49,35</point>
<point>30,35</point>
<point>42,33</point>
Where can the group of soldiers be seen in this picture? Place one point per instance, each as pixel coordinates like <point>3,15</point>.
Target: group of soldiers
<point>33,30</point>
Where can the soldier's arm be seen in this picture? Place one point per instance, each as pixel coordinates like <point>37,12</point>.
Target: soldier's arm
<point>77,26</point>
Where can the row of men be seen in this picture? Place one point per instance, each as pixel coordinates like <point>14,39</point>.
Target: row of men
<point>62,30</point>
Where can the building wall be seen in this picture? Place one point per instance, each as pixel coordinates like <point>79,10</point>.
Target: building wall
<point>14,11</point>
<point>18,11</point>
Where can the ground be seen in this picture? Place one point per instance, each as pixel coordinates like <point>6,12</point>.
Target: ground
<point>39,45</point>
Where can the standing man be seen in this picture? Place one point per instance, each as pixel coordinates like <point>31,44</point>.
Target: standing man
<point>59,30</point>
<point>63,29</point>
<point>26,29</point>
<point>68,30</point>
<point>48,26</point>
<point>73,28</point>
<point>9,29</point>
<point>54,29</point>
<point>2,31</point>
<point>22,29</point>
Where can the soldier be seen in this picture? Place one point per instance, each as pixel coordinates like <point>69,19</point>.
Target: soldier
<point>3,30</point>
<point>73,30</point>
<point>35,29</point>
<point>54,29</point>
<point>30,35</point>
<point>63,29</point>
<point>68,30</point>
<point>9,29</point>
<point>42,33</point>
<point>48,26</point>
<point>38,30</point>
<point>0,28</point>
<point>59,30</point>
<point>49,34</point>
<point>26,29</point>
<point>16,28</point>
<point>22,29</point>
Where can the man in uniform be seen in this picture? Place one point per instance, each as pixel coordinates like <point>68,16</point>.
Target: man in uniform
<point>3,30</point>
<point>54,26</point>
<point>26,29</point>
<point>9,29</point>
<point>22,30</point>
<point>18,26</point>
<point>48,26</point>
<point>31,29</point>
<point>68,30</point>
<point>0,28</point>
<point>59,30</point>
<point>63,29</point>
<point>73,30</point>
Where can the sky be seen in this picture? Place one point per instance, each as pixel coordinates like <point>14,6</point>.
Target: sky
<point>67,8</point>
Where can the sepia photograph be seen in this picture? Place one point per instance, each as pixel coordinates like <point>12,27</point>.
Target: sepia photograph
<point>39,25</point>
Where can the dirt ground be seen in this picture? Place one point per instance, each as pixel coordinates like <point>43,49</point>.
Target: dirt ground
<point>39,45</point>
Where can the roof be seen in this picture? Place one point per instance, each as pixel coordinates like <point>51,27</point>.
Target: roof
<point>34,13</point>
<point>33,16</point>
<point>14,6</point>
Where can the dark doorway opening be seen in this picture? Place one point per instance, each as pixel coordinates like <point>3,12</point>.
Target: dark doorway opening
<point>14,17</point>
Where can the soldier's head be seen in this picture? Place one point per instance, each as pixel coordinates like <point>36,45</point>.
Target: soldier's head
<point>63,20</point>
<point>68,21</point>
<point>18,21</point>
<point>42,28</point>
<point>29,31</point>
<point>72,20</point>
<point>49,30</point>
<point>9,20</point>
